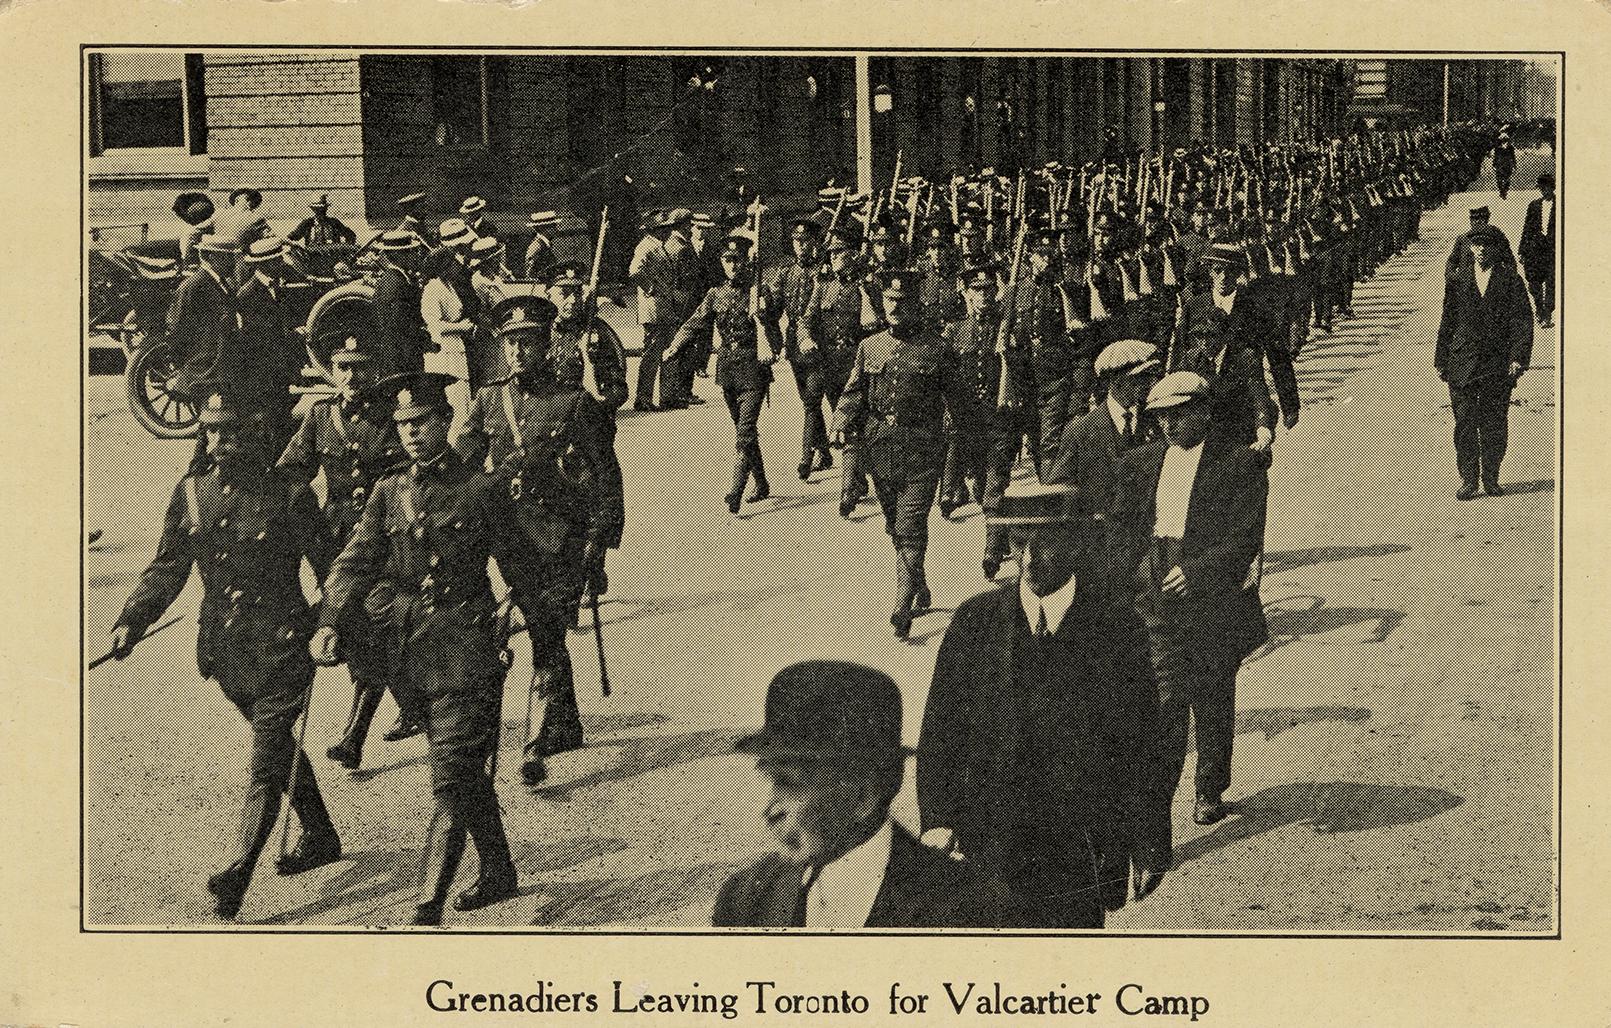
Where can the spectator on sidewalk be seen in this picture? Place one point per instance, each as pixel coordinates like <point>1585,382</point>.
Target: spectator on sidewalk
<point>1537,250</point>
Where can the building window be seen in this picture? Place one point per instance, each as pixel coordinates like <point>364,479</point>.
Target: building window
<point>147,99</point>
<point>459,101</point>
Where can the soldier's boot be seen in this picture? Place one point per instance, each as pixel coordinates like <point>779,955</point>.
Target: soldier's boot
<point>741,475</point>
<point>496,878</point>
<point>763,488</point>
<point>411,709</point>
<point>951,480</point>
<point>556,721</point>
<point>318,844</point>
<point>922,601</point>
<point>349,751</point>
<point>444,848</point>
<point>824,459</point>
<point>257,822</point>
<point>901,618</point>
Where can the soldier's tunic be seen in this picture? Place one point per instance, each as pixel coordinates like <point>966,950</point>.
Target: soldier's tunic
<point>940,296</point>
<point>791,288</point>
<point>418,561</point>
<point>570,341</point>
<point>353,444</point>
<point>1033,307</point>
<point>984,440</point>
<point>723,316</point>
<point>247,534</point>
<point>544,443</point>
<point>844,309</point>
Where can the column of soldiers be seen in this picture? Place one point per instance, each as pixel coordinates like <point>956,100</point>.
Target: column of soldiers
<point>1113,322</point>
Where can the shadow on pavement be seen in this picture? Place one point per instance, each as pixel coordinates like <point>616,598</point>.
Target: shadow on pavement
<point>1290,623</point>
<point>1330,808</point>
<point>1537,485</point>
<point>1286,560</point>
<point>1272,721</point>
<point>645,754</point>
<point>615,901</point>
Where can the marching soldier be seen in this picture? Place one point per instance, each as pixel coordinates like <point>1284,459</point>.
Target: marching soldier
<point>418,560</point>
<point>988,424</point>
<point>543,436</point>
<point>728,315</point>
<point>791,288</point>
<point>351,439</point>
<point>1036,324</point>
<point>843,310</point>
<point>577,348</point>
<point>246,528</point>
<point>904,383</point>
<point>941,298</point>
<point>883,251</point>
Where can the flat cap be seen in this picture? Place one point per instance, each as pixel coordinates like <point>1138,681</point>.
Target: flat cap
<point>1127,357</point>
<point>1176,388</point>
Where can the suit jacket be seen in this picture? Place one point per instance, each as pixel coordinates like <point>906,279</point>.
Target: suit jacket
<point>923,888</point>
<point>1237,389</point>
<point>1482,334</point>
<point>1048,772</point>
<point>1537,250</point>
<point>201,325</point>
<point>658,275</point>
<point>398,322</point>
<point>270,353</point>
<point>1224,539</point>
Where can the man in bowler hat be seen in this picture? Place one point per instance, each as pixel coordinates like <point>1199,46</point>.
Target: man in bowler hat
<point>831,747</point>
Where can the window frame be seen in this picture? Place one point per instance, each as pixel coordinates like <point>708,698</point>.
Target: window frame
<point>483,69</point>
<point>192,112</point>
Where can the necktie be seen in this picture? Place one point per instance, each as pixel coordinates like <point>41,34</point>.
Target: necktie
<point>798,919</point>
<point>1040,625</point>
<point>1129,428</point>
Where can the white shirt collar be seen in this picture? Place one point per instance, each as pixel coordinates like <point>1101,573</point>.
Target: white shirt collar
<point>846,889</point>
<point>1117,412</point>
<point>1225,303</point>
<point>1482,275</point>
<point>1056,605</point>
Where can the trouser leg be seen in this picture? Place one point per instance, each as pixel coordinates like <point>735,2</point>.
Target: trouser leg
<point>366,663</point>
<point>1467,446</point>
<point>1171,662</point>
<point>1493,412</point>
<point>654,344</point>
<point>1214,715</point>
<point>814,430</point>
<point>463,731</point>
<point>273,748</point>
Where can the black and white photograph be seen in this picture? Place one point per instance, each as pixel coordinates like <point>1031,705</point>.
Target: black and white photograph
<point>817,491</point>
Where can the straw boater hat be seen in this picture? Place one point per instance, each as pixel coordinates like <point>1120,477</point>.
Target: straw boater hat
<point>1031,504</point>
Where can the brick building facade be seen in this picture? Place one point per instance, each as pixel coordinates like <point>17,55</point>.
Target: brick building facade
<point>539,131</point>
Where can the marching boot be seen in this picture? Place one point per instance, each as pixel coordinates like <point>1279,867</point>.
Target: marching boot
<point>741,475</point>
<point>257,822</point>
<point>318,844</point>
<point>901,619</point>
<point>803,469</point>
<point>556,721</point>
<point>921,600</point>
<point>349,751</point>
<point>444,847</point>
<point>496,878</point>
<point>824,460</point>
<point>763,488</point>
<point>412,709</point>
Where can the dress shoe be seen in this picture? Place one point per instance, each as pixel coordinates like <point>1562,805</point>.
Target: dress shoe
<point>948,507</point>
<point>847,505</point>
<point>804,471</point>
<point>346,753</point>
<point>405,727</point>
<point>645,408</point>
<point>229,889</point>
<point>732,502</point>
<point>1466,491</point>
<point>824,461</point>
<point>991,565</point>
<point>762,491</point>
<point>428,913</point>
<point>533,771</point>
<point>1209,810</point>
<point>901,620</point>
<point>1493,488</point>
<point>488,890</point>
<point>312,850</point>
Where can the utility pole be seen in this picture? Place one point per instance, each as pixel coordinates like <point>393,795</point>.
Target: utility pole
<point>864,124</point>
<point>1445,94</point>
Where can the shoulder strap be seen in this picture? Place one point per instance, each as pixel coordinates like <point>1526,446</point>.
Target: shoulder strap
<point>508,394</point>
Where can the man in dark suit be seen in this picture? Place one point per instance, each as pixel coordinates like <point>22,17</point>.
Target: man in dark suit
<point>1038,757</point>
<point>1193,522</point>
<point>269,357</point>
<point>201,316</point>
<point>1223,335</point>
<point>1088,456</point>
<point>1485,342</point>
<point>395,311</point>
<point>1537,250</point>
<point>1504,163</point>
<point>831,746</point>
<point>320,229</point>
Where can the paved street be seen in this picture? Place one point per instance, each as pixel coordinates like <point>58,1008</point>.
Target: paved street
<point>1395,757</point>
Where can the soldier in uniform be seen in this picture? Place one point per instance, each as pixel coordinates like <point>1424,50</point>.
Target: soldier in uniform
<point>269,357</point>
<point>543,436</point>
<point>1036,324</point>
<point>843,310</point>
<point>577,348</point>
<point>418,559</point>
<point>743,369</point>
<point>791,287</point>
<point>903,384</point>
<point>941,298</point>
<point>883,251</point>
<point>395,309</point>
<point>246,528</point>
<point>989,424</point>
<point>351,439</point>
